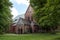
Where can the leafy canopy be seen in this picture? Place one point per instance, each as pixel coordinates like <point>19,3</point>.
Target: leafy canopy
<point>47,12</point>
<point>5,15</point>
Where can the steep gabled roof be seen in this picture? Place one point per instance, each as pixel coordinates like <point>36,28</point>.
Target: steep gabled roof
<point>27,9</point>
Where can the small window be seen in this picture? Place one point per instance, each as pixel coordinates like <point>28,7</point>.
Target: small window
<point>15,19</point>
<point>30,11</point>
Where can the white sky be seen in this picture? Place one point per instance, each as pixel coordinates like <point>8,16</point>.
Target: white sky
<point>14,10</point>
<point>26,2</point>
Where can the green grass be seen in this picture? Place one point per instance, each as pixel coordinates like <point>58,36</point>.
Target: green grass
<point>38,36</point>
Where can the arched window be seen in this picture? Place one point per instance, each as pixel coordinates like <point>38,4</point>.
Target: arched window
<point>28,18</point>
<point>31,18</point>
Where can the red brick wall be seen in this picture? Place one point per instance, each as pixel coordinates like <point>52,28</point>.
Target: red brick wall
<point>29,13</point>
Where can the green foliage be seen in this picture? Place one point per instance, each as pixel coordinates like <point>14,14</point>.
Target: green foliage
<point>5,15</point>
<point>47,12</point>
<point>35,3</point>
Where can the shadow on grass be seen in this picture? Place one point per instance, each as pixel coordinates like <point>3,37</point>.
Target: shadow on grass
<point>57,38</point>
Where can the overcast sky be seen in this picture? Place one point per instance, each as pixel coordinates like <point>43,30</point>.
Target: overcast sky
<point>19,7</point>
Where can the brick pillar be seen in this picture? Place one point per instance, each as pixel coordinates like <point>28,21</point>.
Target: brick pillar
<point>16,30</point>
<point>32,26</point>
<point>23,29</point>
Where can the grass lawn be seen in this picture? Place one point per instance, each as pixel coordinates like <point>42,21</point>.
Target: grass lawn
<point>38,36</point>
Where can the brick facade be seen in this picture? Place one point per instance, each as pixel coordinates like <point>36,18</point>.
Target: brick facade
<point>29,13</point>
<point>27,26</point>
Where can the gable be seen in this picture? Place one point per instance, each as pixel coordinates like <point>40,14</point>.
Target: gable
<point>29,13</point>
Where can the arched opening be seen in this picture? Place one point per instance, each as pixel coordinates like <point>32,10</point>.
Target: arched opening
<point>20,31</point>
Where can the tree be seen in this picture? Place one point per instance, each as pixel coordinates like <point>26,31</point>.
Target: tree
<point>47,13</point>
<point>5,15</point>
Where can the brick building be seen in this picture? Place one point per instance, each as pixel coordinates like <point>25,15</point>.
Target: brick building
<point>29,17</point>
<point>26,25</point>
